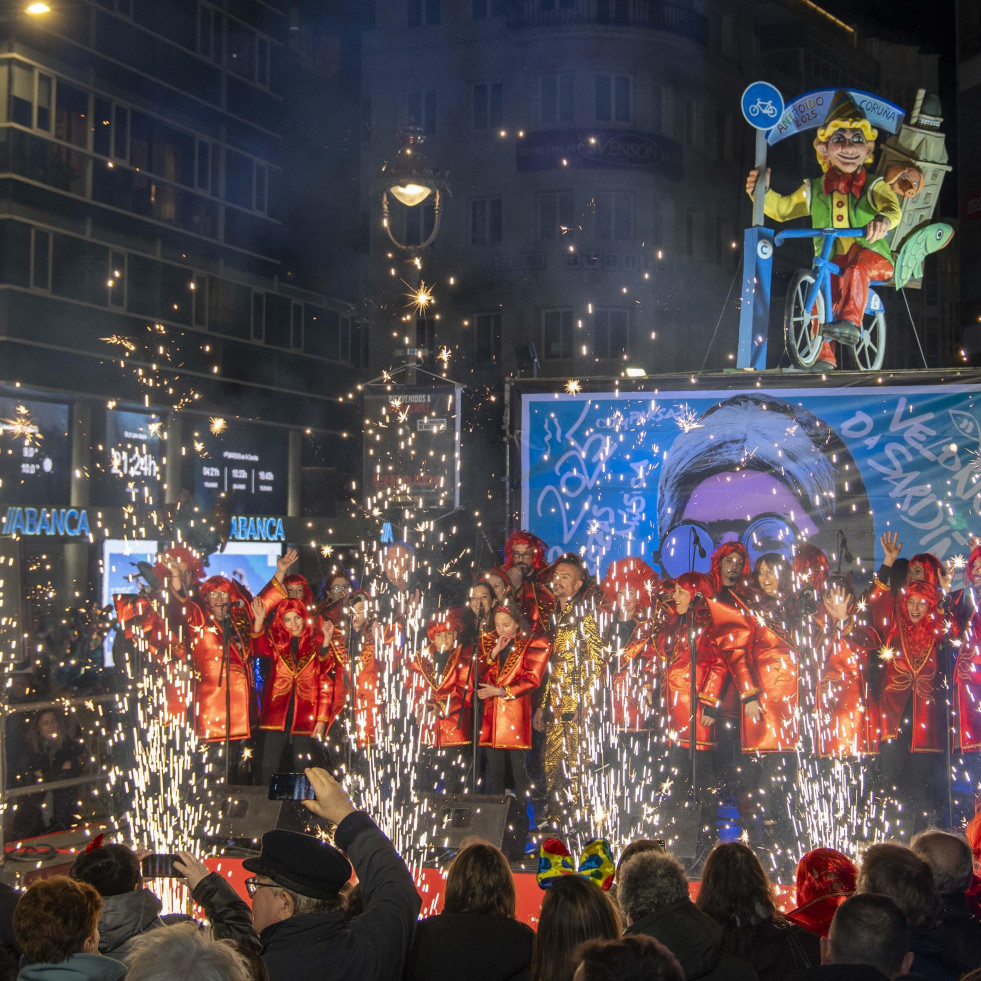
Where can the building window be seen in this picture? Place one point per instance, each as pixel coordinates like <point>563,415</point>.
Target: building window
<point>688,238</point>
<point>211,34</point>
<point>557,99</point>
<point>423,12</point>
<point>557,335</point>
<point>296,327</point>
<point>613,98</point>
<point>421,110</point>
<point>202,165</point>
<point>488,105</point>
<point>258,315</point>
<point>41,259</point>
<point>554,214</point>
<point>199,303</point>
<point>611,333</point>
<point>691,122</point>
<point>483,8</point>
<point>31,97</point>
<point>487,338</point>
<point>117,279</point>
<point>485,221</point>
<point>614,215</point>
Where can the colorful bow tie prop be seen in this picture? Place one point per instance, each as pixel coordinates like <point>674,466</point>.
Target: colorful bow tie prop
<point>595,864</point>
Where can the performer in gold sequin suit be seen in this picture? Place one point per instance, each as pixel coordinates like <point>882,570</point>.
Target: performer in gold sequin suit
<point>570,696</point>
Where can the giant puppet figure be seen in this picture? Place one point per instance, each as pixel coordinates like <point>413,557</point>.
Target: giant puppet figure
<point>846,197</point>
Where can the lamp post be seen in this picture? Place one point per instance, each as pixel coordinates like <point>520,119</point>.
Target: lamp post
<point>411,179</point>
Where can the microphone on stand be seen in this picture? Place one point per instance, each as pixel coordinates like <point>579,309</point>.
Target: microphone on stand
<point>698,544</point>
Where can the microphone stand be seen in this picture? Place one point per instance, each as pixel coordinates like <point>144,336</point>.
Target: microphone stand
<point>692,695</point>
<point>225,673</point>
<point>475,712</point>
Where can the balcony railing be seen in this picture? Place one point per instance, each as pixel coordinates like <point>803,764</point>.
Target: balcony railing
<point>658,15</point>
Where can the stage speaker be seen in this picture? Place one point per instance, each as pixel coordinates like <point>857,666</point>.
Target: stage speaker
<point>503,821</point>
<point>678,823</point>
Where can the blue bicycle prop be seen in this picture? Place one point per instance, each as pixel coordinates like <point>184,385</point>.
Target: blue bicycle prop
<point>808,308</point>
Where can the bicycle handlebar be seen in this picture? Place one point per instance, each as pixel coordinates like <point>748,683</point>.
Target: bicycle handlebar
<point>780,237</point>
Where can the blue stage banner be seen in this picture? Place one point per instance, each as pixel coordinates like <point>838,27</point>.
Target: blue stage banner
<point>669,476</point>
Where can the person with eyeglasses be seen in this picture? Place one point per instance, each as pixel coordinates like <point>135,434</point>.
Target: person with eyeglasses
<point>845,198</point>
<point>337,591</point>
<point>526,569</point>
<point>297,886</point>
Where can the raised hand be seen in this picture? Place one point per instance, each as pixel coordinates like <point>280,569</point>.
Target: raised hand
<point>836,602</point>
<point>284,562</point>
<point>891,545</point>
<point>258,614</point>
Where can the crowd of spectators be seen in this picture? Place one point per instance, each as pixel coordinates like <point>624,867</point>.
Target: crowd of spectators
<point>905,912</point>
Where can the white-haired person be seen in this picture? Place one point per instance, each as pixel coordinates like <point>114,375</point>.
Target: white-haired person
<point>187,952</point>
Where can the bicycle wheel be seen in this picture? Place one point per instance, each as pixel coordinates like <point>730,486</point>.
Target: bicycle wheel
<point>801,328</point>
<point>870,351</point>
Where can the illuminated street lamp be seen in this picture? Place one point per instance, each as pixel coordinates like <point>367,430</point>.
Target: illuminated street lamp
<point>36,9</point>
<point>411,179</point>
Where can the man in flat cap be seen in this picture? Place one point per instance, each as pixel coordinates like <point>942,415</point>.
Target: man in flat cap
<point>297,904</point>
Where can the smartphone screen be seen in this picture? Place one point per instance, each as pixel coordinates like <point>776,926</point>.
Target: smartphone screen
<point>159,867</point>
<point>290,786</point>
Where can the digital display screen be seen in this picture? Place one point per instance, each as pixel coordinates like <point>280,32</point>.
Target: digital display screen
<point>35,453</point>
<point>134,457</point>
<point>247,463</point>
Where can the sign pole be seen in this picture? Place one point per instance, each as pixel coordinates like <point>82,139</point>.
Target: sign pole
<point>762,106</point>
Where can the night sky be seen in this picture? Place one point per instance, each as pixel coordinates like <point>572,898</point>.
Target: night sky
<point>929,23</point>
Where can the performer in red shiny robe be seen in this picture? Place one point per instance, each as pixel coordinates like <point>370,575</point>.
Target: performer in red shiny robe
<point>355,688</point>
<point>526,569</point>
<point>223,694</point>
<point>438,676</point>
<point>627,627</point>
<point>966,630</point>
<point>512,663</point>
<point>299,687</point>
<point>691,616</point>
<point>910,627</point>
<point>847,714</point>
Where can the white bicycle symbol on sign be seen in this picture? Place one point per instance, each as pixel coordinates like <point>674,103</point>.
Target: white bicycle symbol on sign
<point>767,108</point>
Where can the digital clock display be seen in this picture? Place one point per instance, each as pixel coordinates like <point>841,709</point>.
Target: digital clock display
<point>134,457</point>
<point>246,463</point>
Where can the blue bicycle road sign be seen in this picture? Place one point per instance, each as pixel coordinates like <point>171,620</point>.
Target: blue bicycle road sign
<point>762,105</point>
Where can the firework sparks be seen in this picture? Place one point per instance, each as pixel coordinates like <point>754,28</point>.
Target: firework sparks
<point>22,426</point>
<point>217,425</point>
<point>118,339</point>
<point>420,297</point>
<point>572,386</point>
<point>688,420</point>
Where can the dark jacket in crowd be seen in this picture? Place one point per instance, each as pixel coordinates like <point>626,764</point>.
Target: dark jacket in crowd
<point>78,967</point>
<point>9,954</point>
<point>839,972</point>
<point>126,916</point>
<point>958,933</point>
<point>779,948</point>
<point>694,938</point>
<point>373,946</point>
<point>477,946</point>
<point>932,960</point>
